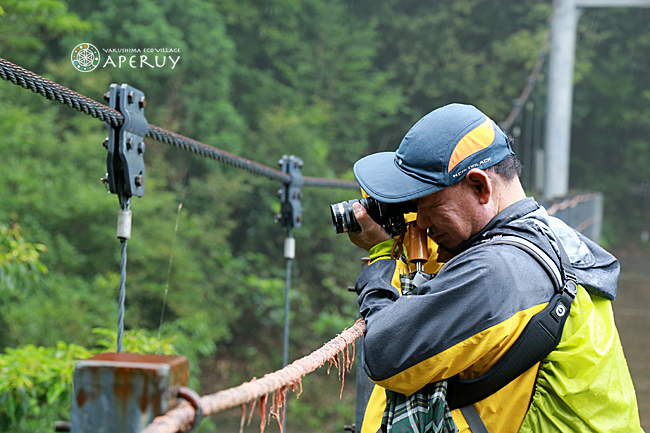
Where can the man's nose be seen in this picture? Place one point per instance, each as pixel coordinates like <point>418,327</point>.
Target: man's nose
<point>423,222</point>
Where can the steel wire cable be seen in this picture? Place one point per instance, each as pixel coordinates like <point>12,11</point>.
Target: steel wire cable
<point>122,297</point>
<point>330,183</point>
<point>194,146</point>
<point>51,90</point>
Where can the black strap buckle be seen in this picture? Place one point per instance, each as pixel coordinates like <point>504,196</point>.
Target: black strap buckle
<point>563,305</point>
<point>570,286</point>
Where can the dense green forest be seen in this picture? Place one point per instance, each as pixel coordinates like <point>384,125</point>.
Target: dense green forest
<point>327,80</point>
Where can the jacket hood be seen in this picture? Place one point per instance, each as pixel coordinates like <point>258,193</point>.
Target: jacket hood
<point>596,269</point>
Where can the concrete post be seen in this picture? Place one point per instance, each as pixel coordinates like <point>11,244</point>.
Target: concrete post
<point>123,392</point>
<point>560,98</point>
<point>560,88</point>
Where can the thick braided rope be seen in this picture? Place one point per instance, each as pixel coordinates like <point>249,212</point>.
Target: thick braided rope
<point>183,415</point>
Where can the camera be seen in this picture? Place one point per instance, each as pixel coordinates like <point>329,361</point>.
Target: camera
<point>388,215</point>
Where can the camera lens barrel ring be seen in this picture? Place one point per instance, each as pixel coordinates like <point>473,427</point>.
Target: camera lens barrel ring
<point>344,222</point>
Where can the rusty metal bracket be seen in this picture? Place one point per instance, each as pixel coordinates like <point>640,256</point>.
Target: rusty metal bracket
<point>195,400</point>
<point>124,392</point>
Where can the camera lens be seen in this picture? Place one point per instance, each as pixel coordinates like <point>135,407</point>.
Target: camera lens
<point>389,216</point>
<point>343,217</point>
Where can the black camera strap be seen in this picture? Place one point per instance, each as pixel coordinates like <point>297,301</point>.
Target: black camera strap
<point>539,338</point>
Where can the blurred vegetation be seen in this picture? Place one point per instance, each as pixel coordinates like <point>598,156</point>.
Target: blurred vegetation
<point>327,80</point>
<point>36,388</point>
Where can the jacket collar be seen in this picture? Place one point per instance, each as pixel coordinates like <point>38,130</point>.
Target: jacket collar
<point>512,212</point>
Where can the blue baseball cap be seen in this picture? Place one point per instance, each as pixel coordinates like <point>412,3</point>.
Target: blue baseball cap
<point>437,152</point>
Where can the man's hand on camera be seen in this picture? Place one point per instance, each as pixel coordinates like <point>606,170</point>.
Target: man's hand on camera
<point>371,233</point>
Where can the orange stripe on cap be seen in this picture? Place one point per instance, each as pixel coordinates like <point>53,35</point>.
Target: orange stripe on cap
<point>477,139</point>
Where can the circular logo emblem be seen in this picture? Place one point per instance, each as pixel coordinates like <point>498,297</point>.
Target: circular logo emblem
<point>85,57</point>
<point>560,310</point>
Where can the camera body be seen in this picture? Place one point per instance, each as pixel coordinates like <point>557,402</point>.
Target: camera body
<point>388,215</point>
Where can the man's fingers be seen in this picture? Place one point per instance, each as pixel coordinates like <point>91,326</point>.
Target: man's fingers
<point>359,211</point>
<point>371,232</point>
<point>365,222</point>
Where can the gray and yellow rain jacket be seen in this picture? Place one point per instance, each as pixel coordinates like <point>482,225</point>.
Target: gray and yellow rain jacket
<point>466,318</point>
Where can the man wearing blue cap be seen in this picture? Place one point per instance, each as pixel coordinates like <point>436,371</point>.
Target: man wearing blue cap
<point>517,328</point>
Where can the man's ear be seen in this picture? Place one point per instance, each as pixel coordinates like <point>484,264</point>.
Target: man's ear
<point>481,184</point>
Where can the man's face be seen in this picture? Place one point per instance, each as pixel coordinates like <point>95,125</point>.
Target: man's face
<point>449,214</point>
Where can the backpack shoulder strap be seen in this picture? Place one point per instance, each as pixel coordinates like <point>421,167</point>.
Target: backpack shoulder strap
<point>540,336</point>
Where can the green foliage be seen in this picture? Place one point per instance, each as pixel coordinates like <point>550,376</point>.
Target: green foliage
<point>18,259</point>
<point>134,341</point>
<point>39,23</point>
<point>305,80</point>
<point>36,386</point>
<point>326,80</point>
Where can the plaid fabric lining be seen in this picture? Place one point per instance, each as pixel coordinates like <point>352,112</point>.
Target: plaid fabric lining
<point>426,411</point>
<point>406,280</point>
